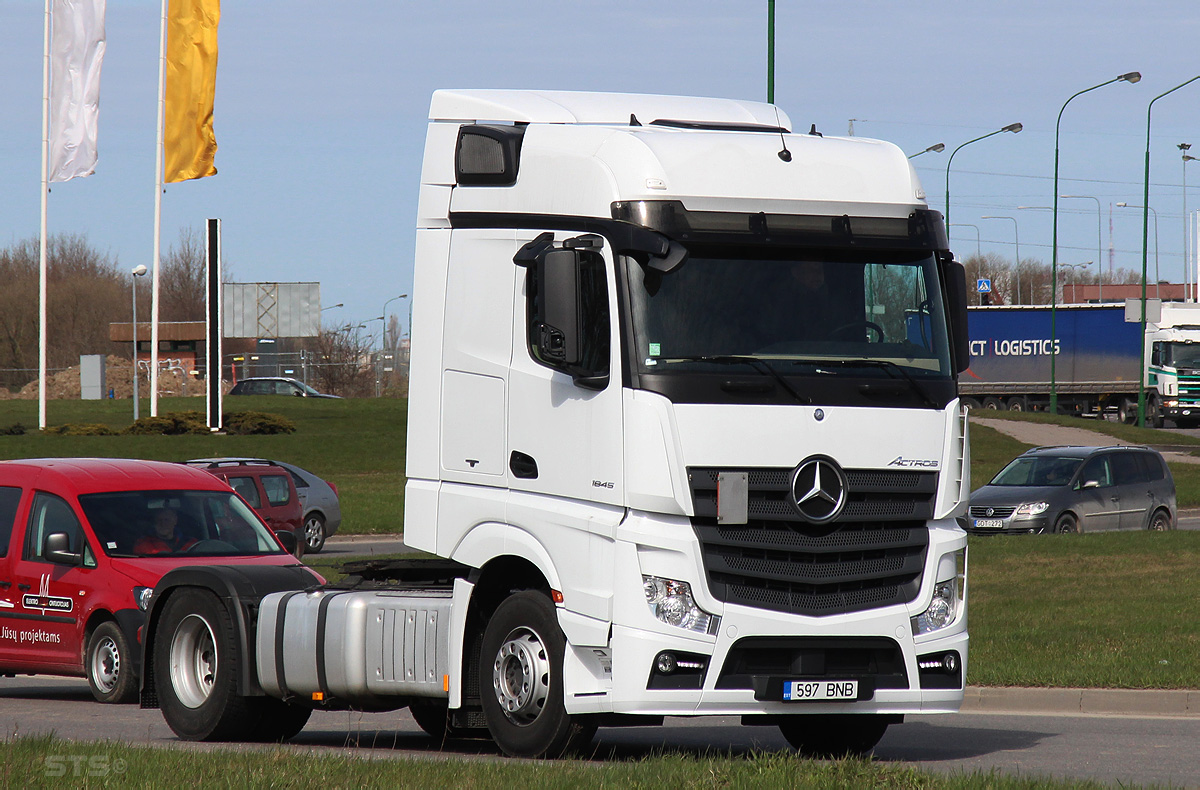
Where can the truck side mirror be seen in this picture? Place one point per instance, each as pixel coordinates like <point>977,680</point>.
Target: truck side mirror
<point>559,333</point>
<point>956,312</point>
<point>58,550</point>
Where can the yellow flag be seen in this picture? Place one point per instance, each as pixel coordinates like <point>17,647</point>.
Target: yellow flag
<point>188,139</point>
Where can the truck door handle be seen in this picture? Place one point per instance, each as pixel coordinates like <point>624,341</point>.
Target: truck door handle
<point>24,587</point>
<point>522,465</point>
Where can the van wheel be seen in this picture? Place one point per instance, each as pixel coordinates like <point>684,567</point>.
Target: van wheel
<point>314,532</point>
<point>1067,524</point>
<point>1160,521</point>
<point>196,665</point>
<point>520,679</point>
<point>110,666</point>
<point>836,735</point>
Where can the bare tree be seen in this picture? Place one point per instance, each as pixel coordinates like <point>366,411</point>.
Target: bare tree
<point>181,278</point>
<point>344,365</point>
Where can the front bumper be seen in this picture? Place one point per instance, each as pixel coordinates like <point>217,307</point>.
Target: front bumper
<point>1007,526</point>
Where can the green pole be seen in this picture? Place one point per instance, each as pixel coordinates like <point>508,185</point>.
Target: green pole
<point>1145,240</point>
<point>770,51</point>
<point>1012,127</point>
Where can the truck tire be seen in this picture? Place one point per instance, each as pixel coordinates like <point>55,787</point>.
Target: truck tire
<point>278,720</point>
<point>992,404</point>
<point>1017,403</point>
<point>1127,411</point>
<point>836,735</point>
<point>109,665</point>
<point>196,664</point>
<point>970,403</point>
<point>520,680</point>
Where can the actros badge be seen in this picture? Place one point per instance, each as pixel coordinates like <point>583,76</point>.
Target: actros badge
<point>819,489</point>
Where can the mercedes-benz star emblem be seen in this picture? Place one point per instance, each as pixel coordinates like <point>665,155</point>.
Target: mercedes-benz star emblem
<point>819,489</point>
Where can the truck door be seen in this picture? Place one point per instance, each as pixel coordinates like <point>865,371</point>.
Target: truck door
<point>1099,505</point>
<point>50,596</point>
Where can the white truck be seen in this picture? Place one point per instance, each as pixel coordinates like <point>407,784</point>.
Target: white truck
<point>683,432</point>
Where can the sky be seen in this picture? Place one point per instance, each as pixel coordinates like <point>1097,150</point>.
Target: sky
<point>321,110</point>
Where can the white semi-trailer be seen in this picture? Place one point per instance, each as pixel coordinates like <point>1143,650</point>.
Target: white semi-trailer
<point>683,428</point>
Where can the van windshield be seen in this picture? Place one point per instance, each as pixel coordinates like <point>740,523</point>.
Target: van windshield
<point>1038,470</point>
<point>799,312</point>
<point>169,523</point>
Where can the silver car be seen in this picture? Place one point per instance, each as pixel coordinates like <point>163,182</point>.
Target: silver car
<point>322,509</point>
<point>1076,489</point>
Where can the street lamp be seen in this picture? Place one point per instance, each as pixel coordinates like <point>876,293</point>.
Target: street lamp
<point>1017,251</point>
<point>1075,283</point>
<point>978,254</point>
<point>138,271</point>
<point>936,148</point>
<point>1157,288</point>
<point>388,302</point>
<point>1131,78</point>
<point>1186,235</point>
<point>332,306</point>
<point>1099,243</point>
<point>1012,127</point>
<point>1145,244</point>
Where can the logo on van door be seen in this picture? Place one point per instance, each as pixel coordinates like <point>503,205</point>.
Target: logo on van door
<point>44,602</point>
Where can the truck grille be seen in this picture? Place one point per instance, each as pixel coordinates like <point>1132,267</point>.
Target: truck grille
<point>871,556</point>
<point>1189,388</point>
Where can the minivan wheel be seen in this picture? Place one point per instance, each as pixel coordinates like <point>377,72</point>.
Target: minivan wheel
<point>1067,524</point>
<point>1160,521</point>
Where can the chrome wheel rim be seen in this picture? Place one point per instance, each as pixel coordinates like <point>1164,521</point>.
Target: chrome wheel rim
<point>521,676</point>
<point>314,532</point>
<point>106,665</point>
<point>193,661</point>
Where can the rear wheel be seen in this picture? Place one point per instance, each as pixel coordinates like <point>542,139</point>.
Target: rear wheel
<point>1160,521</point>
<point>1067,524</point>
<point>1127,411</point>
<point>314,532</point>
<point>196,665</point>
<point>110,666</point>
<point>837,735</point>
<point>520,678</point>
<point>1017,404</point>
<point>992,404</point>
<point>971,403</point>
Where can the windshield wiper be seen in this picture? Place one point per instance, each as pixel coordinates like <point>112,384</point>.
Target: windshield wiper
<point>761,365</point>
<point>889,366</point>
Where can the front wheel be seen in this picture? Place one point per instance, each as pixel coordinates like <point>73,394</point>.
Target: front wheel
<point>196,664</point>
<point>520,677</point>
<point>109,665</point>
<point>836,735</point>
<point>1067,524</point>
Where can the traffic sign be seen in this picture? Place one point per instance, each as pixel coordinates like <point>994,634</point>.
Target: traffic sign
<point>983,285</point>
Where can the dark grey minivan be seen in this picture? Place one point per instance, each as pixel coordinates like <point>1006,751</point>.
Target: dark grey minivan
<point>1076,489</point>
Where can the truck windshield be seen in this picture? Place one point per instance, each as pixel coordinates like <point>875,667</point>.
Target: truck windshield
<point>1181,355</point>
<point>878,315</point>
<point>166,523</point>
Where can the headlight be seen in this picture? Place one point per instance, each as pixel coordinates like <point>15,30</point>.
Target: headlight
<point>672,603</point>
<point>142,595</point>
<point>947,600</point>
<point>1032,508</point>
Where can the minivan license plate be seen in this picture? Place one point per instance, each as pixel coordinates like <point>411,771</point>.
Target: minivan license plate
<point>815,690</point>
<point>989,523</point>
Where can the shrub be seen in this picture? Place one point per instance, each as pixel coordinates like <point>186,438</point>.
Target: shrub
<point>173,424</point>
<point>257,423</point>
<point>77,429</point>
<point>16,429</point>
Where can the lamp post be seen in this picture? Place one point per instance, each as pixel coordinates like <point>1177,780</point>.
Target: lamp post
<point>1016,250</point>
<point>1157,288</point>
<point>1188,297</point>
<point>138,271</point>
<point>1131,78</point>
<point>1012,127</point>
<point>1099,243</point>
<point>936,148</point>
<point>1074,283</point>
<point>385,304</point>
<point>978,254</point>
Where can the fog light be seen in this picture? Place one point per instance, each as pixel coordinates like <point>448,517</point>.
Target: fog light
<point>665,663</point>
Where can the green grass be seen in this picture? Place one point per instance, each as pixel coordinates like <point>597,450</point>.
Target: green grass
<point>47,762</point>
<point>1115,610</point>
<point>358,444</point>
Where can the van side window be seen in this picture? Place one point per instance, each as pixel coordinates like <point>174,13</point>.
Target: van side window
<point>48,515</point>
<point>1153,464</point>
<point>249,492</point>
<point>1097,469</point>
<point>276,487</point>
<point>1126,469</point>
<point>10,498</point>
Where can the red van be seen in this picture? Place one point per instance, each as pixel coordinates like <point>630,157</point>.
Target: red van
<point>83,541</point>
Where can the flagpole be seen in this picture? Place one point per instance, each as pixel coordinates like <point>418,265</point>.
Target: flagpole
<point>42,260</point>
<point>158,190</point>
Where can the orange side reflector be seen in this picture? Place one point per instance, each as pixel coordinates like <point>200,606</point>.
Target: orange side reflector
<point>557,596</point>
<point>445,682</point>
<point>318,696</point>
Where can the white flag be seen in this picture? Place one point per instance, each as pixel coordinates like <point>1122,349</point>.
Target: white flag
<point>76,54</point>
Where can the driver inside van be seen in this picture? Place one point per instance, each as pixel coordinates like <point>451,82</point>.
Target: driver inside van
<point>166,539</point>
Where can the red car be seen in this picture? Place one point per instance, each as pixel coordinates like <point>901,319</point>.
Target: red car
<point>266,487</point>
<point>83,541</point>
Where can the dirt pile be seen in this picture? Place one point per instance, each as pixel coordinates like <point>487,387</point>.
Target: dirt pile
<point>65,384</point>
